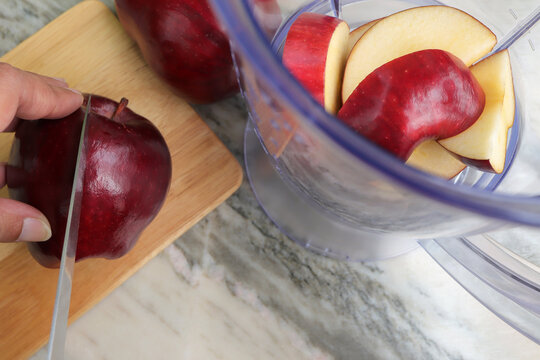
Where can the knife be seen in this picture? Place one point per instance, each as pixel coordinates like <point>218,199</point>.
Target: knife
<point>57,338</point>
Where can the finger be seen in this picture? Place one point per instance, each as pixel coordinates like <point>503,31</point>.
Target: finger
<point>54,81</point>
<point>22,222</point>
<point>41,98</point>
<point>29,96</point>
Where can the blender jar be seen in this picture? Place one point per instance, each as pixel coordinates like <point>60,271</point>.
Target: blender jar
<point>335,192</point>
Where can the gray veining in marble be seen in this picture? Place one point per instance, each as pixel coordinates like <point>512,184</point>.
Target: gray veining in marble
<point>403,308</point>
<point>21,18</point>
<point>352,311</point>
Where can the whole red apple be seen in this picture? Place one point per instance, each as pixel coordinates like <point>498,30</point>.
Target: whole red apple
<point>126,179</point>
<point>182,41</point>
<point>428,94</point>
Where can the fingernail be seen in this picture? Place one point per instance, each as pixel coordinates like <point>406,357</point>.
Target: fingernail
<point>75,91</point>
<point>60,79</point>
<point>34,230</point>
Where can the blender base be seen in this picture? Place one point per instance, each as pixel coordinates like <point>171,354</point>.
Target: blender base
<point>305,224</point>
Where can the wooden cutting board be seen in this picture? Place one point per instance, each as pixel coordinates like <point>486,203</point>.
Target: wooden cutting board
<point>88,47</point>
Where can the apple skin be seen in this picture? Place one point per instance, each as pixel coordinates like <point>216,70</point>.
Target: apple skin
<point>483,165</point>
<point>127,176</point>
<point>316,46</point>
<point>418,28</point>
<point>484,144</point>
<point>427,94</point>
<point>183,43</point>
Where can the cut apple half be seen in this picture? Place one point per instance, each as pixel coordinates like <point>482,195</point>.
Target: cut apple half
<point>357,33</point>
<point>427,94</point>
<point>420,28</point>
<point>483,145</point>
<point>432,158</point>
<point>315,52</point>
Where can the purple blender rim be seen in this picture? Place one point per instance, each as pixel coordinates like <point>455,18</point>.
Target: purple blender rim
<point>248,38</point>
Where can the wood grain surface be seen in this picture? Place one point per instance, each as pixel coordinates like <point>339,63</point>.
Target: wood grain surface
<point>88,47</point>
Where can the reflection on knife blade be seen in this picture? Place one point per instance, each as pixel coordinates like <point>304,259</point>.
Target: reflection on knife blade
<point>65,278</point>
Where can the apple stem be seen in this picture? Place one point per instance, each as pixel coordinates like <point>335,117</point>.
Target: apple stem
<point>121,106</point>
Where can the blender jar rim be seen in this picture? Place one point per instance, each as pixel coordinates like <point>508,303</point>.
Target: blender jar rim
<point>248,38</point>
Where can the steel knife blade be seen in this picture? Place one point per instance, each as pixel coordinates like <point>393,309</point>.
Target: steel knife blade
<point>57,337</point>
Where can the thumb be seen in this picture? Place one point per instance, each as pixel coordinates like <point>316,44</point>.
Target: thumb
<point>22,222</point>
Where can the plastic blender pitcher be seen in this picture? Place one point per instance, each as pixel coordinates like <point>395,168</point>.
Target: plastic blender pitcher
<point>335,192</point>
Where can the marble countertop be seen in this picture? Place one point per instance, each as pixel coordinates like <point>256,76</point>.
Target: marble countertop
<point>233,287</point>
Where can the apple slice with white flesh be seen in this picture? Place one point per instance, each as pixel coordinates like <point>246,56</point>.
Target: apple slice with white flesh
<point>420,28</point>
<point>483,145</point>
<point>315,52</point>
<point>357,33</point>
<point>432,158</point>
<point>427,94</point>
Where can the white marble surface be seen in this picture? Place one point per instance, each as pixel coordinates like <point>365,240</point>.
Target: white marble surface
<point>233,287</point>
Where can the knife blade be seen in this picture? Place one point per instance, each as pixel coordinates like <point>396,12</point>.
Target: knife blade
<point>57,338</point>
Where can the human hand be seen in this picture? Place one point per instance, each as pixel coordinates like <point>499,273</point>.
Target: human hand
<point>28,96</point>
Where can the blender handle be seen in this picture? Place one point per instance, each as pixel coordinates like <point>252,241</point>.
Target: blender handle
<point>511,291</point>
<point>517,31</point>
<point>336,7</point>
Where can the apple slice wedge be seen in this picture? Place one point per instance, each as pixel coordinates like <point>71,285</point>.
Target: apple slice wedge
<point>423,95</point>
<point>420,28</point>
<point>315,52</point>
<point>357,33</point>
<point>432,158</point>
<point>483,145</point>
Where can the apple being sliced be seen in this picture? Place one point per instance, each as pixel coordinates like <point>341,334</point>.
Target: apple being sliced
<point>315,52</point>
<point>484,144</point>
<point>432,158</point>
<point>427,94</point>
<point>429,27</point>
<point>126,179</point>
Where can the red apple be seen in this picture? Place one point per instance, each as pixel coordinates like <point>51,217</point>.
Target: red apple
<point>315,52</point>
<point>483,145</point>
<point>183,43</point>
<point>415,29</point>
<point>427,94</point>
<point>127,176</point>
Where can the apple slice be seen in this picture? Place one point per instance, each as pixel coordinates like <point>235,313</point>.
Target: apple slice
<point>357,33</point>
<point>427,94</point>
<point>509,103</point>
<point>432,158</point>
<point>428,27</point>
<point>315,52</point>
<point>484,144</point>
